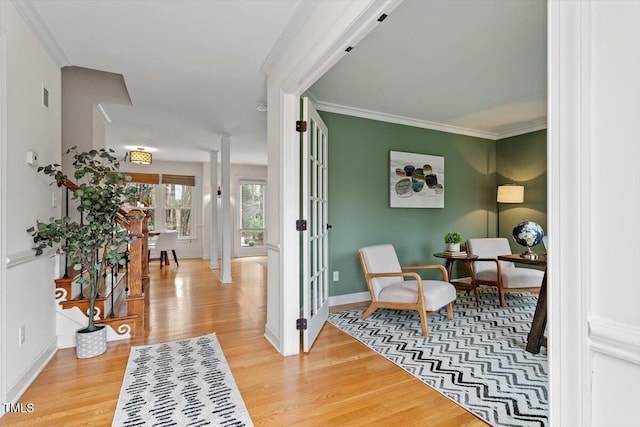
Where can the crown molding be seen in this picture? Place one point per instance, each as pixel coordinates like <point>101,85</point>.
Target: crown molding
<point>42,31</point>
<point>392,118</point>
<point>536,126</point>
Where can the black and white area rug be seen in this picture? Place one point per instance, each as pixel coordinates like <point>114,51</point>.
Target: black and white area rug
<point>478,359</point>
<point>180,383</point>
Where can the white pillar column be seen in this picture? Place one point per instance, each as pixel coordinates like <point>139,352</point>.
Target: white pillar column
<point>225,169</point>
<point>213,182</point>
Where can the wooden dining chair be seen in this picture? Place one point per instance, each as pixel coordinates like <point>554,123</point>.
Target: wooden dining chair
<point>164,243</point>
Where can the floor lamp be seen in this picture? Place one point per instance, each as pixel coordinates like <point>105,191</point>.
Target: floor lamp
<point>507,193</point>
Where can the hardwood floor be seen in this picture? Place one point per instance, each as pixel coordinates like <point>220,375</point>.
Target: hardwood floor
<point>339,383</point>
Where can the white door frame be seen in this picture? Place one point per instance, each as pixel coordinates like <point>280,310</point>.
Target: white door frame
<point>315,39</point>
<point>3,216</point>
<point>313,43</point>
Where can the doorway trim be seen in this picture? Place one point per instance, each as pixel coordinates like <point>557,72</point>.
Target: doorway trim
<point>311,45</point>
<point>315,39</point>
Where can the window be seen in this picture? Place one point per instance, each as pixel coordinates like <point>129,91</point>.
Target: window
<point>172,195</point>
<point>178,208</point>
<point>252,215</point>
<point>146,200</point>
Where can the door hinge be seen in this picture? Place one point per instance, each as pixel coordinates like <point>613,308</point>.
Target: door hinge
<point>301,324</point>
<point>301,126</point>
<point>301,225</point>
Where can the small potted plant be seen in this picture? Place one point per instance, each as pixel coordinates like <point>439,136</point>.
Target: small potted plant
<point>453,240</point>
<point>95,241</point>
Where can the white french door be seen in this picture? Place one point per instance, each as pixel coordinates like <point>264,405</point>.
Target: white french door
<point>314,208</point>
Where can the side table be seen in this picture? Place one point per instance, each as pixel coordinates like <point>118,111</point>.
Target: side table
<point>465,283</point>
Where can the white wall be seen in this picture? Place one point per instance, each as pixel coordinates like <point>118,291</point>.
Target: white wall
<point>594,202</point>
<point>187,248</point>
<point>614,317</point>
<point>27,297</point>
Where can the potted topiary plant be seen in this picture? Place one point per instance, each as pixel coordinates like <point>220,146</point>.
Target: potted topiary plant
<point>453,240</point>
<point>94,242</point>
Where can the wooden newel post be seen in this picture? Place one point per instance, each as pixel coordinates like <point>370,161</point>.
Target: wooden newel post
<point>137,261</point>
<point>146,281</point>
<point>135,217</point>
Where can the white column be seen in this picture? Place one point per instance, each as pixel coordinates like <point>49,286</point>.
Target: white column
<point>213,182</point>
<point>225,169</point>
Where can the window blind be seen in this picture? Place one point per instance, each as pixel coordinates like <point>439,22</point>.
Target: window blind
<point>144,178</point>
<point>179,179</point>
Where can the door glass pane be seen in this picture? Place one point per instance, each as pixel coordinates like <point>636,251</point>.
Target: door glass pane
<point>252,214</point>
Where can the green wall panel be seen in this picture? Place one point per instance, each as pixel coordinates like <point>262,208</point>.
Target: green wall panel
<point>359,200</point>
<point>523,159</point>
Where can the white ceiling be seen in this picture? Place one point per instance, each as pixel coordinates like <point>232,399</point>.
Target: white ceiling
<point>470,66</point>
<point>192,68</point>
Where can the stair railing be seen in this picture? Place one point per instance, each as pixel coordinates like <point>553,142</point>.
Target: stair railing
<point>137,264</point>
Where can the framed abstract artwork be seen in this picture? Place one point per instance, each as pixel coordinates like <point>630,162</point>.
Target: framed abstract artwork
<point>415,180</point>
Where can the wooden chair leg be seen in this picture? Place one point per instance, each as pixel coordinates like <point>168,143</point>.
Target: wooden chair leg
<point>502,299</point>
<point>475,291</point>
<point>175,257</point>
<point>423,323</point>
<point>449,311</point>
<point>368,312</point>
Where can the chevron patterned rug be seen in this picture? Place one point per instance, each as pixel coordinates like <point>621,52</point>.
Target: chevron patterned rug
<point>180,383</point>
<point>478,360</point>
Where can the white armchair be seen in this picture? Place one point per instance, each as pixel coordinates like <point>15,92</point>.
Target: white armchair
<point>488,271</point>
<point>389,289</point>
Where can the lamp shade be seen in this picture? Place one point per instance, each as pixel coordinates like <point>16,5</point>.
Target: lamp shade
<point>510,193</point>
<point>140,157</point>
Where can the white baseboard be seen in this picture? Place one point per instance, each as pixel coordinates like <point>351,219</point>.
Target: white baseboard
<point>349,298</point>
<point>272,338</point>
<point>16,390</point>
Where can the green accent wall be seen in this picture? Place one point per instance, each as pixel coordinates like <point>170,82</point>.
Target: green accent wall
<point>359,201</point>
<point>523,159</point>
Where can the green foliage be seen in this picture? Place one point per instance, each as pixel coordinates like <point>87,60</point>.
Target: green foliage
<point>453,237</point>
<point>96,242</point>
<point>252,206</point>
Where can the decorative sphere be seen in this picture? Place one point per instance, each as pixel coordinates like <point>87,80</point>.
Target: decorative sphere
<point>528,233</point>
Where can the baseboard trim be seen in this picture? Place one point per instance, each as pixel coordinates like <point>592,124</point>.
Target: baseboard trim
<point>349,298</point>
<point>273,339</point>
<point>15,392</point>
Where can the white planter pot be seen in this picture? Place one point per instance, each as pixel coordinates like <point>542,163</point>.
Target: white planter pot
<point>453,247</point>
<point>91,344</point>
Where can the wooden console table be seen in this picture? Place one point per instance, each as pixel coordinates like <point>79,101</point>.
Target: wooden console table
<point>536,337</point>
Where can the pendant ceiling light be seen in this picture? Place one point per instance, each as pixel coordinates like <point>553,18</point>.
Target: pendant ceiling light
<point>140,156</point>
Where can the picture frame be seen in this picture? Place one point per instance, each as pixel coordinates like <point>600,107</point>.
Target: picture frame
<point>416,180</point>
